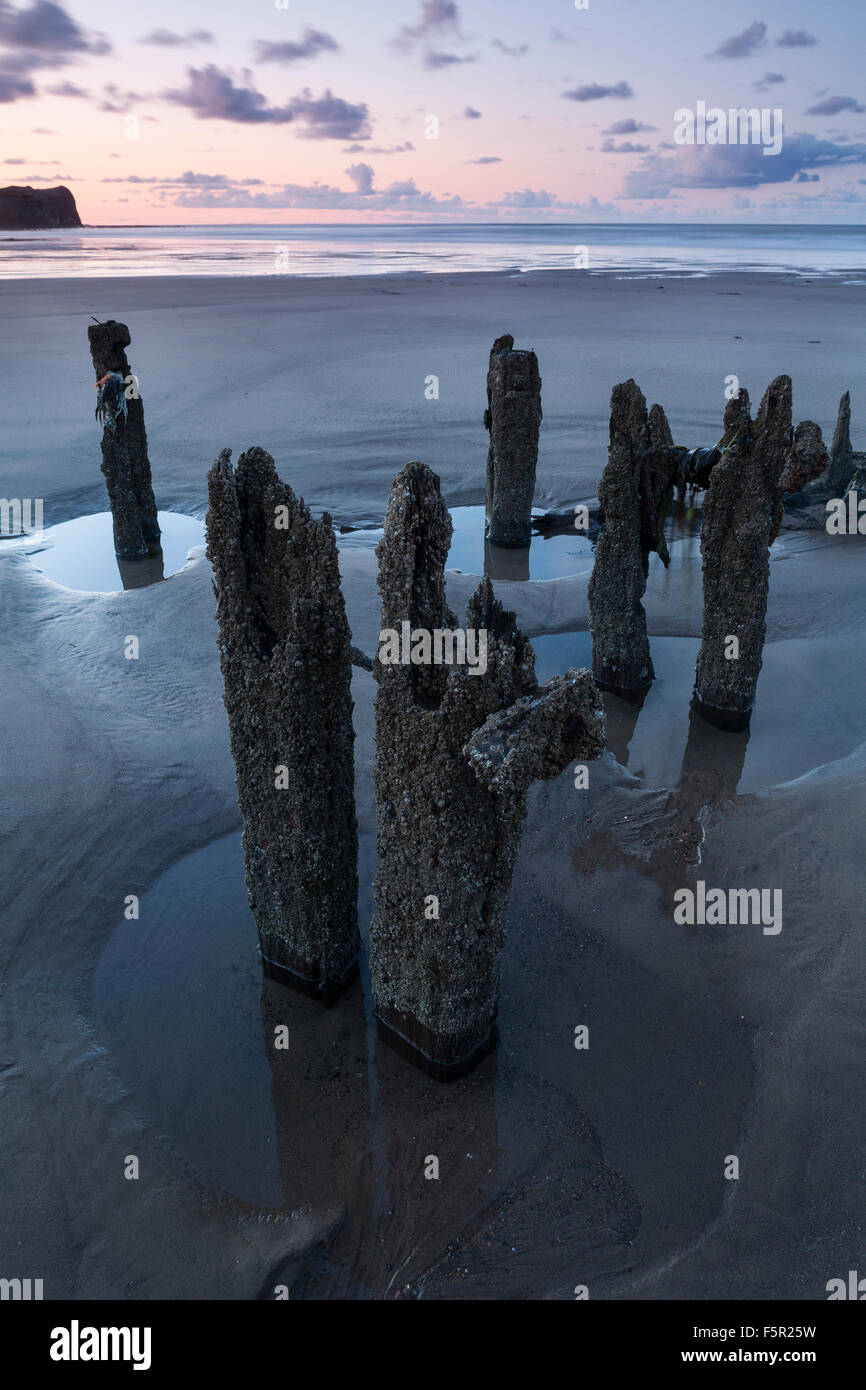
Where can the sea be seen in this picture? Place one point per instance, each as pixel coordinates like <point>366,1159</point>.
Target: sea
<point>634,249</point>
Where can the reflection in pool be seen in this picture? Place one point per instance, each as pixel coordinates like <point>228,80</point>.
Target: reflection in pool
<point>80,554</point>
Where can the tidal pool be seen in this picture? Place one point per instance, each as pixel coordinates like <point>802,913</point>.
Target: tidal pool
<point>80,554</point>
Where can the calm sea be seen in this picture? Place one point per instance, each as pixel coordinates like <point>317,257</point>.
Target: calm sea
<point>328,250</point>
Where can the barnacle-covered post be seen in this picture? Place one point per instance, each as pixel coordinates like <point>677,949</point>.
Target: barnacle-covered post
<point>458,742</point>
<point>125,461</point>
<point>742,512</point>
<point>286,661</point>
<point>634,493</point>
<point>513,418</point>
<point>842,462</point>
<point>807,459</point>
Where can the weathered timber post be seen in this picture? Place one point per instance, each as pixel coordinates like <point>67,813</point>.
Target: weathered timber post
<point>125,461</point>
<point>513,418</point>
<point>634,493</point>
<point>742,512</point>
<point>457,747</point>
<point>286,661</point>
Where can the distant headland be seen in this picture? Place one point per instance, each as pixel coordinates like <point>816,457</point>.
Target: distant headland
<point>22,208</point>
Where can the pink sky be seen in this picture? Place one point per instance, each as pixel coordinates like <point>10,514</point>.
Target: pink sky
<point>204,112</point>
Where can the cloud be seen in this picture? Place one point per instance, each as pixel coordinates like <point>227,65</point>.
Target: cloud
<point>437,17</point>
<point>213,95</point>
<point>557,36</point>
<point>47,28</point>
<point>438,23</point>
<point>770,79</point>
<point>627,126</point>
<point>117,101</point>
<point>831,106</point>
<point>742,45</point>
<point>594,91</point>
<point>435,59</point>
<point>402,196</point>
<point>486,159</point>
<point>470,114</point>
<point>379,149</point>
<point>68,89</point>
<point>361,176</point>
<point>796,38</point>
<point>627,147</point>
<point>14,84</point>
<point>513,50</point>
<point>330,117</point>
<point>735,166</point>
<point>188,179</point>
<point>167,38</point>
<point>311,43</point>
<point>47,178</point>
<point>16,71</point>
<point>807,178</point>
<point>528,198</point>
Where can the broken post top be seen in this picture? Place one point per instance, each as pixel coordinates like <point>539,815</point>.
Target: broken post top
<point>841,453</point>
<point>748,476</point>
<point>512,371</point>
<point>413,551</point>
<point>270,556</point>
<point>807,458</point>
<point>108,344</point>
<point>412,555</point>
<point>629,440</point>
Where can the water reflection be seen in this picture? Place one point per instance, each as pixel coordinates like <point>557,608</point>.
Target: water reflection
<point>80,554</point>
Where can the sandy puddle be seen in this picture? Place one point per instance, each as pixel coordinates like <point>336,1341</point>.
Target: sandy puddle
<point>80,554</point>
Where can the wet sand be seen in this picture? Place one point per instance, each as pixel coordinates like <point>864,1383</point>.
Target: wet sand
<point>330,375</point>
<point>558,1167</point>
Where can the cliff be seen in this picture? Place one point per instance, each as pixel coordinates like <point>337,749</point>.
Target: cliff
<point>37,207</point>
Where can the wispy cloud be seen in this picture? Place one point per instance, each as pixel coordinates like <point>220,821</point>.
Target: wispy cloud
<point>309,45</point>
<point>744,44</point>
<point>796,38</point>
<point>433,58</point>
<point>436,18</point>
<point>832,105</point>
<point>627,126</point>
<point>167,38</point>
<point>624,147</point>
<point>358,148</point>
<point>770,79</point>
<point>596,91</point>
<point>69,89</point>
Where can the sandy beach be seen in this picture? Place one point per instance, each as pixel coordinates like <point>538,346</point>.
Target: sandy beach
<point>560,1168</point>
<point>330,375</point>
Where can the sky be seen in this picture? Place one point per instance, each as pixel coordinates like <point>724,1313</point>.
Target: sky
<point>293,111</point>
